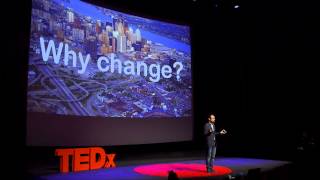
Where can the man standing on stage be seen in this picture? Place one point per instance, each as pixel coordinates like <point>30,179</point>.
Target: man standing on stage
<point>210,133</point>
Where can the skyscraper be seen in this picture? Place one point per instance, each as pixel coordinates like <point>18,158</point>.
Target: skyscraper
<point>98,26</point>
<point>91,47</point>
<point>108,28</point>
<point>78,34</point>
<point>104,49</point>
<point>114,44</point>
<point>70,16</point>
<point>122,43</point>
<point>120,28</point>
<point>138,34</point>
<point>103,37</point>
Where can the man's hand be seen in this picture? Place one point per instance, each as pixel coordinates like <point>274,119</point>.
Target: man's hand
<point>223,131</point>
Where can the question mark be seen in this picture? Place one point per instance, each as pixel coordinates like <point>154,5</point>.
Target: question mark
<point>179,69</point>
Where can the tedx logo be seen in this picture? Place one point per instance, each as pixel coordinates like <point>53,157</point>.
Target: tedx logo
<point>83,159</point>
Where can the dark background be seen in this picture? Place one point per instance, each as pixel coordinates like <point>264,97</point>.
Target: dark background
<point>255,67</point>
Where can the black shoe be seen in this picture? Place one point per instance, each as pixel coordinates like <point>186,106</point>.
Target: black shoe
<point>209,170</point>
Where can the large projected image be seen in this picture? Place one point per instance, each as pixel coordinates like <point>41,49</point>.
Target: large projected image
<point>86,60</point>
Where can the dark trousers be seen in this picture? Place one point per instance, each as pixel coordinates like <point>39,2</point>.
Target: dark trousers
<point>211,154</point>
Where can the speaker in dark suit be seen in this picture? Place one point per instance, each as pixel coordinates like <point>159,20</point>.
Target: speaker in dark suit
<point>210,133</point>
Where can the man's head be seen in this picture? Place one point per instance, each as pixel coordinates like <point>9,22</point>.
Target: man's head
<point>212,118</point>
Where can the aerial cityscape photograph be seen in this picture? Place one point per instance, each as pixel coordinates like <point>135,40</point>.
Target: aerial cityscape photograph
<point>65,33</point>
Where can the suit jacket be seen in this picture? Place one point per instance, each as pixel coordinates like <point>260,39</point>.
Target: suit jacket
<point>211,136</point>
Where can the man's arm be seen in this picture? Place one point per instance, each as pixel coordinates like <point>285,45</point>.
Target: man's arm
<point>223,131</point>
<point>207,130</point>
<point>216,133</point>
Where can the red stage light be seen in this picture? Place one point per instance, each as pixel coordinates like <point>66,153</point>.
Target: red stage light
<point>182,170</point>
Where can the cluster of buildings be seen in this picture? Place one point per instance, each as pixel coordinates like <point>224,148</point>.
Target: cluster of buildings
<point>85,34</point>
<point>125,97</point>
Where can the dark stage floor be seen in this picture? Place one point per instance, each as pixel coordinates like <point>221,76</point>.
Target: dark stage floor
<point>225,168</point>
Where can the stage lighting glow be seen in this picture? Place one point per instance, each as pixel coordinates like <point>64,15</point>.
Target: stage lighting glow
<point>182,170</point>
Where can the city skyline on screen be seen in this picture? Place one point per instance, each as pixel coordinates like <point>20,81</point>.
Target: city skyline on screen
<point>86,60</point>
